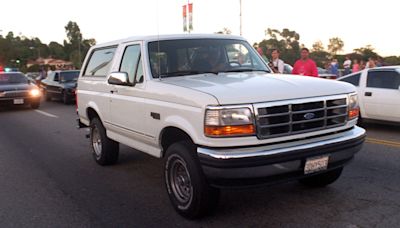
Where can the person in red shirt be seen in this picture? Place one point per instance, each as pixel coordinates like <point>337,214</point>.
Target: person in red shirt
<point>305,66</point>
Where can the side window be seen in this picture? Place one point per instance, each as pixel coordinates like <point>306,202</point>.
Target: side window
<point>56,77</point>
<point>354,79</point>
<point>100,62</point>
<point>130,62</point>
<point>383,79</point>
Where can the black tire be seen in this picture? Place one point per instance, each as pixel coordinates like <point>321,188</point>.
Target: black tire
<point>105,151</point>
<point>47,96</point>
<point>35,104</point>
<point>187,187</point>
<point>360,121</point>
<point>323,179</point>
<point>65,98</point>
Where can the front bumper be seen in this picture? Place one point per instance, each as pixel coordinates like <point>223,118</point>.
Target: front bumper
<point>277,162</point>
<point>6,101</point>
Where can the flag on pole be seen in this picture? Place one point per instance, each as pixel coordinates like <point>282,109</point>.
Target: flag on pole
<point>190,5</point>
<point>184,14</point>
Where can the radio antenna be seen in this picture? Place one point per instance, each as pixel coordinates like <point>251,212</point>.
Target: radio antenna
<point>158,56</point>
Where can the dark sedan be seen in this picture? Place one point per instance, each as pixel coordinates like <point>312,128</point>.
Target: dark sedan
<point>60,85</point>
<point>16,89</point>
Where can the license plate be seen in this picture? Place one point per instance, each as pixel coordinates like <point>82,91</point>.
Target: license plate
<point>316,164</point>
<point>18,101</point>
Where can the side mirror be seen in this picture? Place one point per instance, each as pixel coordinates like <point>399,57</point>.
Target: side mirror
<point>118,78</point>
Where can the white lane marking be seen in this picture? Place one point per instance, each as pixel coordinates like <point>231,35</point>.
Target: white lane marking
<point>46,114</point>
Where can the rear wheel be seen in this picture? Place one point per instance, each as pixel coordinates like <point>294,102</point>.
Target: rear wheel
<point>323,179</point>
<point>105,151</point>
<point>187,187</point>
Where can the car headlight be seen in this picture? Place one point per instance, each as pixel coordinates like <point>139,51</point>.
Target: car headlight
<point>354,108</point>
<point>229,122</point>
<point>34,92</point>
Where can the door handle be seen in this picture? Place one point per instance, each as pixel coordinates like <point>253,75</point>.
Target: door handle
<point>368,94</point>
<point>113,91</point>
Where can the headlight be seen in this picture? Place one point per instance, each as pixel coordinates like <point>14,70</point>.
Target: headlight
<point>34,92</point>
<point>228,122</point>
<point>354,109</point>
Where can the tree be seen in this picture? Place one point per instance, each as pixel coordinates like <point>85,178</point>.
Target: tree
<point>56,50</point>
<point>225,31</point>
<point>318,46</point>
<point>75,47</point>
<point>286,41</point>
<point>335,45</point>
<point>367,52</point>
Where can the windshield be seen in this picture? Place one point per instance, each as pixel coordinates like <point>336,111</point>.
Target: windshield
<point>172,58</point>
<point>13,78</point>
<point>69,76</point>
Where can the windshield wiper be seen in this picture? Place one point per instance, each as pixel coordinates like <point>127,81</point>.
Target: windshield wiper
<point>185,73</point>
<point>244,70</point>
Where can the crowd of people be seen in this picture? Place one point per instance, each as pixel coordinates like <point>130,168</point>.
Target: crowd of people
<point>353,66</point>
<point>307,67</point>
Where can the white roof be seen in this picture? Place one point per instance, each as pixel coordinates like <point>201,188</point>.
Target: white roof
<point>169,37</point>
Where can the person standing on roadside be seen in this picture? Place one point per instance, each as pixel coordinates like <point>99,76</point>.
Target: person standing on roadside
<point>356,66</point>
<point>261,52</point>
<point>276,63</point>
<point>371,63</point>
<point>334,67</point>
<point>305,66</point>
<point>347,65</point>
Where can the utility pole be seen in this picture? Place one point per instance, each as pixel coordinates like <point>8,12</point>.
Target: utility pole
<point>241,31</point>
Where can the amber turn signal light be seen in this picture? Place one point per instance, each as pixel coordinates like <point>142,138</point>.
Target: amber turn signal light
<point>222,131</point>
<point>353,113</point>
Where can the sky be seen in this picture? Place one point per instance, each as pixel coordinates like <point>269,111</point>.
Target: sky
<point>357,23</point>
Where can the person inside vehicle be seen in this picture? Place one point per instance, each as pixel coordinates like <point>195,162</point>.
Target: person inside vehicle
<point>210,59</point>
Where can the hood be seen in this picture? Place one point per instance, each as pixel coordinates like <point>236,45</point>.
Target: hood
<point>13,87</point>
<point>244,88</point>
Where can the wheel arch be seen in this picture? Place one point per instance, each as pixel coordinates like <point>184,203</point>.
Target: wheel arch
<point>170,135</point>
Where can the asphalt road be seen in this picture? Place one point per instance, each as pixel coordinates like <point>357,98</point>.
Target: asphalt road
<point>49,179</point>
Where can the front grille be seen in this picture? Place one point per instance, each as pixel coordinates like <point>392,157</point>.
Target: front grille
<point>300,116</point>
<point>15,94</point>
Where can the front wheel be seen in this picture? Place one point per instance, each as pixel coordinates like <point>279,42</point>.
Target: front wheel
<point>47,96</point>
<point>66,99</point>
<point>190,194</point>
<point>105,150</point>
<point>323,179</point>
<point>35,104</point>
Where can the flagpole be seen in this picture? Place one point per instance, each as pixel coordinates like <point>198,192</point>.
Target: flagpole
<point>241,32</point>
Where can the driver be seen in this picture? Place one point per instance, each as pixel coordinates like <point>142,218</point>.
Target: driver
<point>211,59</point>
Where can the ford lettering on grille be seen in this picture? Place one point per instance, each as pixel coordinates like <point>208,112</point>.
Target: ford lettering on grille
<point>309,116</point>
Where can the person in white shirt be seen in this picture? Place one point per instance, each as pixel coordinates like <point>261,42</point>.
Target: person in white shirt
<point>276,64</point>
<point>347,65</point>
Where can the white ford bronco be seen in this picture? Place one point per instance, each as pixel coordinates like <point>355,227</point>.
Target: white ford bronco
<point>209,106</point>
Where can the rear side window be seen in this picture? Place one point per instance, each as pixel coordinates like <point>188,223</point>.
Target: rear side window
<point>354,79</point>
<point>100,62</point>
<point>383,79</point>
